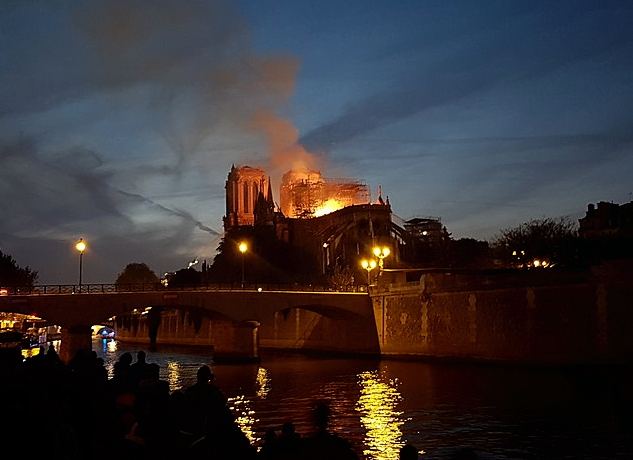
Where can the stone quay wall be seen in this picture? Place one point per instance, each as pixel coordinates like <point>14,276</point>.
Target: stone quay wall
<point>305,330</point>
<point>544,317</point>
<point>225,339</point>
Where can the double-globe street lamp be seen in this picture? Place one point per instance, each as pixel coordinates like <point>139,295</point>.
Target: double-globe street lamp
<point>243,247</point>
<point>381,253</point>
<point>368,265</point>
<point>81,247</point>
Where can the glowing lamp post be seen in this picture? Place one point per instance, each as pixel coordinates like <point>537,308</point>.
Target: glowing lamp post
<point>243,248</point>
<point>368,265</point>
<point>381,253</point>
<point>81,247</point>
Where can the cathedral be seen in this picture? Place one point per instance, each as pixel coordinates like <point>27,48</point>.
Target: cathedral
<point>336,222</point>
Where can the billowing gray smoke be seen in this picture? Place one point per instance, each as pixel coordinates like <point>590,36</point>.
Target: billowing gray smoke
<point>120,120</point>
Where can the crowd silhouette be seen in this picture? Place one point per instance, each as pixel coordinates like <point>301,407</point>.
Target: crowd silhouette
<point>76,411</point>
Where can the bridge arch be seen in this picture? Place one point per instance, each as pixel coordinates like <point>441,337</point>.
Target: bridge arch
<point>183,324</point>
<point>326,320</point>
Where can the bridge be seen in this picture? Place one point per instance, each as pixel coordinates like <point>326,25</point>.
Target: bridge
<point>77,308</point>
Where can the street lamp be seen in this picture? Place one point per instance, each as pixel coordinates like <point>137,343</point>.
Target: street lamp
<point>368,265</point>
<point>243,247</point>
<point>381,253</point>
<point>81,247</point>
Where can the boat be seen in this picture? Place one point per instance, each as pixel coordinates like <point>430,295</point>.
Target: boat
<point>33,338</point>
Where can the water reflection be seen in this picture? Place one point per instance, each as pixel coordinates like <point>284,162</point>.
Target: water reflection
<point>263,383</point>
<point>377,404</point>
<point>107,346</point>
<point>173,374</point>
<point>502,413</point>
<point>244,416</point>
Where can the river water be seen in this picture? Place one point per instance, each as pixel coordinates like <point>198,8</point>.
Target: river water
<point>499,412</point>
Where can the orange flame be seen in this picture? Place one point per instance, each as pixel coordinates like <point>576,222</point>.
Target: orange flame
<point>329,206</point>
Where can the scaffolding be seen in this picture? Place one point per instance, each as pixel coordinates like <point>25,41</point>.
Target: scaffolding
<point>305,194</point>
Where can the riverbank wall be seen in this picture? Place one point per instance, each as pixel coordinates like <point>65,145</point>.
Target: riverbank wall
<point>549,317</point>
<point>223,338</point>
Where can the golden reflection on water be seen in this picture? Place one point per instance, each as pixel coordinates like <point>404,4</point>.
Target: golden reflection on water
<point>263,383</point>
<point>173,375</point>
<point>111,345</point>
<point>244,416</point>
<point>377,405</point>
<point>241,406</point>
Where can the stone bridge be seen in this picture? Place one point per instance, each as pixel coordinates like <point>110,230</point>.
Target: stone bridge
<point>544,317</point>
<point>281,318</point>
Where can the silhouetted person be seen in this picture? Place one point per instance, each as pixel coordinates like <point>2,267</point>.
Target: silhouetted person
<point>288,442</point>
<point>125,409</point>
<point>408,452</point>
<point>223,439</point>
<point>140,370</point>
<point>152,389</point>
<point>126,358</point>
<point>152,407</point>
<point>203,398</point>
<point>52,357</point>
<point>121,381</point>
<point>177,437</point>
<point>125,364</point>
<point>268,450</point>
<point>325,445</point>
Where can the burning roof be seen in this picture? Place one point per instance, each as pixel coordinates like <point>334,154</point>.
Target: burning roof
<point>305,193</point>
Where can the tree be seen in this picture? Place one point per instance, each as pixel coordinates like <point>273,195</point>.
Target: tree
<point>135,274</point>
<point>470,253</point>
<point>341,277</point>
<point>553,241</point>
<point>13,275</point>
<point>267,259</point>
<point>186,277</point>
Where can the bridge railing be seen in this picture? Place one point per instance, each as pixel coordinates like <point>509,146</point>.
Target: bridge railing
<point>156,287</point>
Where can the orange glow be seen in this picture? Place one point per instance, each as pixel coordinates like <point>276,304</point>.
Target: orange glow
<point>329,206</point>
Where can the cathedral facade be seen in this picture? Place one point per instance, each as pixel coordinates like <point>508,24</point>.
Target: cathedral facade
<point>248,191</point>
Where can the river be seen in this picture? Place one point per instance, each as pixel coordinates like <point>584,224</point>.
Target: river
<point>499,412</point>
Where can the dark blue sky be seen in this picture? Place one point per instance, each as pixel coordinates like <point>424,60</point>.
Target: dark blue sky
<point>119,120</point>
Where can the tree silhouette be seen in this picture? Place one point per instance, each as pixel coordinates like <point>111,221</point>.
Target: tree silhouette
<point>13,275</point>
<point>551,240</point>
<point>470,254</point>
<point>186,277</point>
<point>137,274</point>
<point>267,259</point>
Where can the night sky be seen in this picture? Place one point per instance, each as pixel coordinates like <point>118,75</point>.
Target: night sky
<point>120,120</point>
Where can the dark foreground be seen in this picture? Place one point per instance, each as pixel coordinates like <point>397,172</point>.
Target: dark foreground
<point>51,408</point>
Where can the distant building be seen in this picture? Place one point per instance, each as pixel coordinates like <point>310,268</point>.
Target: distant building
<point>428,230</point>
<point>607,220</point>
<point>424,240</point>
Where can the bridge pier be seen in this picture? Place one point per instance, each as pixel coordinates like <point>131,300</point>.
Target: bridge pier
<point>74,338</point>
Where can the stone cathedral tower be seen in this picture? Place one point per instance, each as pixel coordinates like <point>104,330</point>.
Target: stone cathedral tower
<point>247,188</point>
